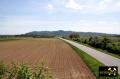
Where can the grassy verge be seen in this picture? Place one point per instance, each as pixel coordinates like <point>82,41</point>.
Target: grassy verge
<point>92,63</point>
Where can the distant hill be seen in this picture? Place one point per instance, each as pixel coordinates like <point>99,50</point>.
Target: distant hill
<point>64,33</point>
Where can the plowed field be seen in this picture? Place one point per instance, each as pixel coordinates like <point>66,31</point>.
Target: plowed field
<point>58,55</point>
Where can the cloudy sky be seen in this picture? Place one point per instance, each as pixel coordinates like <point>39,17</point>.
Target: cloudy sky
<point>21,16</point>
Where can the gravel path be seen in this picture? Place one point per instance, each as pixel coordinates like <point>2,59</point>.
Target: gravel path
<point>102,57</point>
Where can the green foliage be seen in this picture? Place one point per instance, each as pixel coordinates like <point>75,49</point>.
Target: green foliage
<point>92,63</point>
<point>74,35</point>
<point>23,71</point>
<point>42,72</point>
<point>13,71</point>
<point>111,44</point>
<point>104,42</point>
<point>94,41</point>
<point>113,48</point>
<point>7,38</point>
<point>3,69</point>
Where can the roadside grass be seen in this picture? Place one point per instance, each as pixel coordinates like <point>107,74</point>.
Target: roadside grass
<point>92,63</point>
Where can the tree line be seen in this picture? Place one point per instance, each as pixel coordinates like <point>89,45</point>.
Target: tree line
<point>102,42</point>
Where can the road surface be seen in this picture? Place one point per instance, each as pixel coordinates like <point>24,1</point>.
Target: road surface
<point>100,56</point>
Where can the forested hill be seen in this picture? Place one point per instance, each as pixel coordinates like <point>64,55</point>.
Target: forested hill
<point>63,33</point>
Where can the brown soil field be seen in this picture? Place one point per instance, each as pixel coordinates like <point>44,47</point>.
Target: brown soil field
<point>59,56</point>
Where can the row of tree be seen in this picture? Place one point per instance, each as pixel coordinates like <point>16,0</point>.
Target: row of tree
<point>104,43</point>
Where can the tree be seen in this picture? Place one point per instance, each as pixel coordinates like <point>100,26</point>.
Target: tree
<point>105,41</point>
<point>74,35</point>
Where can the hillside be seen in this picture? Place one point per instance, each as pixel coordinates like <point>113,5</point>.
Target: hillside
<point>64,33</point>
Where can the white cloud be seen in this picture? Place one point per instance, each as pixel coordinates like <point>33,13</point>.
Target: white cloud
<point>72,4</point>
<point>105,5</point>
<point>17,24</point>
<point>97,26</point>
<point>117,4</point>
<point>102,6</point>
<point>50,7</point>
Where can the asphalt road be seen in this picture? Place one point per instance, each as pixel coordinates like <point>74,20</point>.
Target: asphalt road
<point>100,56</point>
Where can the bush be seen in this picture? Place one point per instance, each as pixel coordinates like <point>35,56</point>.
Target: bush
<point>74,35</point>
<point>41,72</point>
<point>13,71</point>
<point>104,43</point>
<point>113,48</point>
<point>23,71</point>
<point>3,69</point>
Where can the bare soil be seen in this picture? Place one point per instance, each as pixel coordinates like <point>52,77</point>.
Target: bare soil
<point>59,57</point>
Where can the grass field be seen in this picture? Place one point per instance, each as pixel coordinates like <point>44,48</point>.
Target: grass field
<point>62,60</point>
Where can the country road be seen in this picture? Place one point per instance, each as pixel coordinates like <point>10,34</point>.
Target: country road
<point>100,56</point>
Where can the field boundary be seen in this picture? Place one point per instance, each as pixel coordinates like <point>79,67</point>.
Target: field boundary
<point>78,51</point>
<point>88,60</point>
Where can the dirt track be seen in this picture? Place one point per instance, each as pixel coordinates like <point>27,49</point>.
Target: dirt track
<point>60,57</point>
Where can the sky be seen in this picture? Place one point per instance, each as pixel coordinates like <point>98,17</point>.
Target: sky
<point>22,16</point>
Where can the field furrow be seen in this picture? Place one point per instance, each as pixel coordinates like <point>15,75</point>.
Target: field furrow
<point>58,56</point>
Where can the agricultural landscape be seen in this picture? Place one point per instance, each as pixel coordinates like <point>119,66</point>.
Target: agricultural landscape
<point>62,60</point>
<point>59,39</point>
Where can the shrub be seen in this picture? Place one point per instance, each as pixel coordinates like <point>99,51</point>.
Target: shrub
<point>23,71</point>
<point>13,71</point>
<point>42,72</point>
<point>3,69</point>
<point>74,35</point>
<point>113,48</point>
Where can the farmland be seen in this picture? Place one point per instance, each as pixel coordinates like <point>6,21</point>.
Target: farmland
<point>62,60</point>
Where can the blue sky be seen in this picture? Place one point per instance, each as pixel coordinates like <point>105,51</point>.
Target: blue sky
<point>21,16</point>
